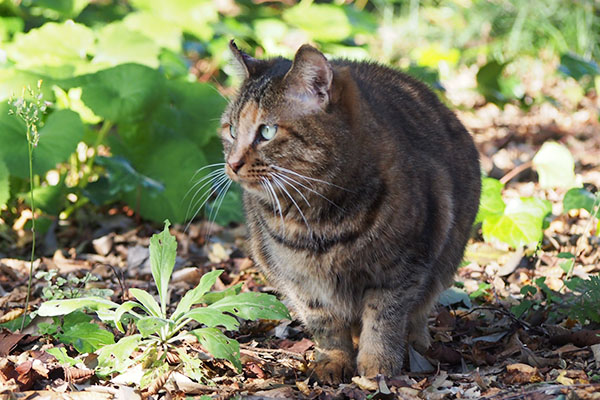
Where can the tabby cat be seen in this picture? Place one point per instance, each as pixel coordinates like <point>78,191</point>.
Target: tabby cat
<point>360,189</point>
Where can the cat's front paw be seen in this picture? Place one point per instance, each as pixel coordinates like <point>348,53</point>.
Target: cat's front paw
<point>334,366</point>
<point>371,365</point>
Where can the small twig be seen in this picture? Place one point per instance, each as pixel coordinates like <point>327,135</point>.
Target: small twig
<point>514,172</point>
<point>292,354</point>
<point>510,315</point>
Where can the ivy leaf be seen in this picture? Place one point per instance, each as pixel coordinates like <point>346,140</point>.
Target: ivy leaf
<point>555,166</point>
<point>520,225</point>
<point>219,345</point>
<point>577,198</point>
<point>491,202</point>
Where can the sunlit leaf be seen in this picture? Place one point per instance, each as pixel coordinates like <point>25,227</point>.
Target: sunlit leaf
<point>219,345</point>
<point>555,166</point>
<point>251,305</point>
<point>163,250</point>
<point>326,22</point>
<point>62,307</point>
<point>194,296</point>
<point>212,318</point>
<point>61,355</point>
<point>491,202</point>
<point>116,357</point>
<point>150,305</point>
<point>117,44</point>
<point>151,325</point>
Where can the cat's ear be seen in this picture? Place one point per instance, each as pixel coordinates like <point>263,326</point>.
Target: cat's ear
<point>310,77</point>
<point>248,64</point>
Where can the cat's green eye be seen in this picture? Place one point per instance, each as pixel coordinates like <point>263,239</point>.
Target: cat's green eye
<point>268,131</point>
<point>232,131</point>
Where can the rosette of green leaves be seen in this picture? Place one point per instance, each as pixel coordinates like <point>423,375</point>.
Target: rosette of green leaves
<point>157,328</point>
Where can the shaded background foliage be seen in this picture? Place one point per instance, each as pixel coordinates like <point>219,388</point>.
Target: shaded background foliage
<point>137,86</point>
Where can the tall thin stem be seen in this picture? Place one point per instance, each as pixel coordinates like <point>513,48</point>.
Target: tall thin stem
<point>29,282</point>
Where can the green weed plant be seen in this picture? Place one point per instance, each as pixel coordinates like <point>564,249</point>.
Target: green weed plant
<point>161,332</point>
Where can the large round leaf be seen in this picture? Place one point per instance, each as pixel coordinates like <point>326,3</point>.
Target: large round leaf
<point>125,93</point>
<point>173,163</point>
<point>58,139</point>
<point>117,44</point>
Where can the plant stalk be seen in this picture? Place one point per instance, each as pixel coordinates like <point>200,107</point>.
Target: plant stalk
<point>29,282</point>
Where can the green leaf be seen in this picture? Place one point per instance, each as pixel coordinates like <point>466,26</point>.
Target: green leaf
<point>150,305</point>
<point>521,308</point>
<point>324,22</point>
<point>577,198</point>
<point>46,46</point>
<point>219,345</point>
<point>60,353</point>
<point>125,93</point>
<point>520,225</point>
<point>213,297</point>
<point>162,32</point>
<point>123,177</point>
<point>74,318</point>
<point>195,295</point>
<point>491,202</point>
<point>61,307</point>
<point>121,310</point>
<point>193,16</point>
<point>454,295</point>
<point>50,199</point>
<point>555,166</point>
<point>251,305</point>
<point>115,357</point>
<point>58,140</point>
<point>59,9</point>
<point>212,318</point>
<point>117,44</point>
<point>577,67</point>
<point>174,163</point>
<point>86,337</point>
<point>151,325</point>
<point>163,251</point>
<point>4,184</point>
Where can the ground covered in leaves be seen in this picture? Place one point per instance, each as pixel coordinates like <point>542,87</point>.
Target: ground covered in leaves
<point>481,349</point>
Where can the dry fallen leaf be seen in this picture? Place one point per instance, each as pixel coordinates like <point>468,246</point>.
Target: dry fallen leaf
<point>521,373</point>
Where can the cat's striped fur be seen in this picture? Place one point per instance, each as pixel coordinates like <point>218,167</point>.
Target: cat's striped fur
<point>360,206</point>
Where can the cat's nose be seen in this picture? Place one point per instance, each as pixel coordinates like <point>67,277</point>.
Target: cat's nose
<point>236,165</point>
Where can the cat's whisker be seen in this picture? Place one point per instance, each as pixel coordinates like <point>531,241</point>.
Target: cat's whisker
<point>212,174</point>
<point>215,211</point>
<point>281,184</point>
<point>315,192</point>
<point>214,178</point>
<point>206,197</point>
<point>287,181</point>
<point>281,169</point>
<point>269,184</point>
<point>206,166</point>
<point>264,185</point>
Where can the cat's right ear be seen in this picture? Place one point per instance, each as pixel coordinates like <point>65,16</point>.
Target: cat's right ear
<point>248,64</point>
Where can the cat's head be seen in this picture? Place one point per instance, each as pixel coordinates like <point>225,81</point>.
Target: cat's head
<point>282,120</point>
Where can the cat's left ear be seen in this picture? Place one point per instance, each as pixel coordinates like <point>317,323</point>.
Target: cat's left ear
<point>310,77</point>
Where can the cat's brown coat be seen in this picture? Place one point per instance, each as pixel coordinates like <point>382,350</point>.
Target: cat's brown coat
<point>393,182</point>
